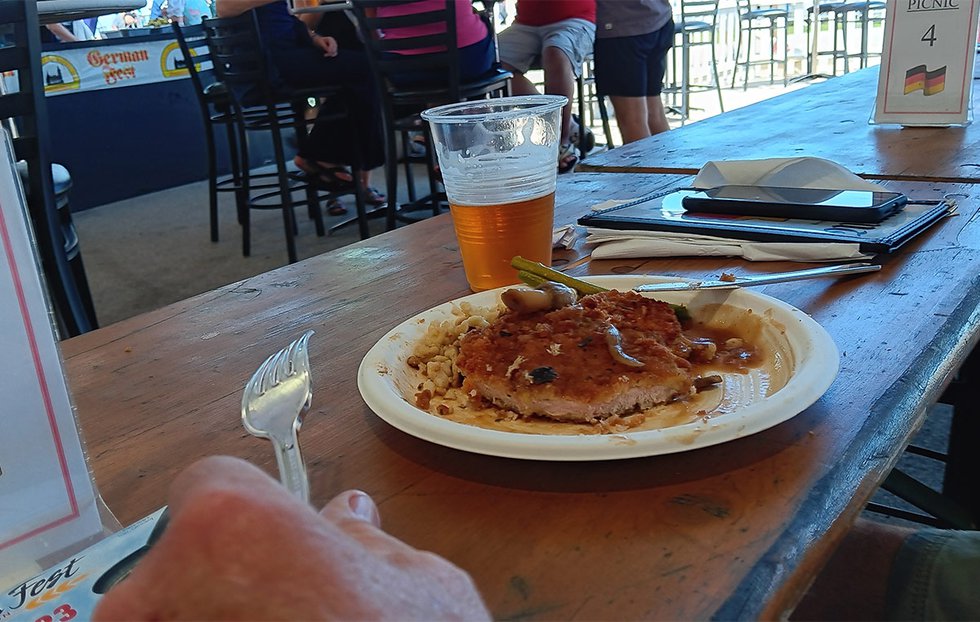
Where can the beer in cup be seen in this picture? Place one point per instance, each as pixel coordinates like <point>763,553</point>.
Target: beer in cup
<point>499,164</point>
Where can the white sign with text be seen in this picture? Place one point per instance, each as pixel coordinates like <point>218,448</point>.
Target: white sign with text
<point>47,499</point>
<point>927,62</point>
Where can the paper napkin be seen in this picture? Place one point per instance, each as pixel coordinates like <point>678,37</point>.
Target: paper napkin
<point>803,172</point>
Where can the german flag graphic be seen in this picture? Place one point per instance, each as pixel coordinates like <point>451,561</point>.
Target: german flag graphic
<point>929,82</point>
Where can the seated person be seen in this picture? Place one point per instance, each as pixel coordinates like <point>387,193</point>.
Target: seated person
<point>335,24</point>
<point>303,59</point>
<point>556,35</point>
<point>67,32</point>
<point>477,55</point>
<point>883,571</point>
<point>238,546</point>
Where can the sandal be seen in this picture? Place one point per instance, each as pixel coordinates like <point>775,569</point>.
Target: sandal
<point>335,208</point>
<point>329,178</point>
<point>417,147</point>
<point>581,136</point>
<point>566,159</point>
<point>373,197</point>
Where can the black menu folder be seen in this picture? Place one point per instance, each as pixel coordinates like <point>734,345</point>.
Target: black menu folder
<point>664,212</point>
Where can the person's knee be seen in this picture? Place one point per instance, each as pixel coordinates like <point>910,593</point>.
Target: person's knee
<point>555,61</point>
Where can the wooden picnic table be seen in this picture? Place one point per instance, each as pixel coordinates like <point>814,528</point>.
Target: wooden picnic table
<point>733,531</point>
<point>827,120</point>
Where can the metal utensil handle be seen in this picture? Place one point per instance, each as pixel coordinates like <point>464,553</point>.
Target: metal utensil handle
<point>292,469</point>
<point>810,273</point>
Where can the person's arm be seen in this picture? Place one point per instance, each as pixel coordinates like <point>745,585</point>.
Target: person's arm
<point>231,8</point>
<point>310,19</point>
<point>61,32</point>
<point>239,547</point>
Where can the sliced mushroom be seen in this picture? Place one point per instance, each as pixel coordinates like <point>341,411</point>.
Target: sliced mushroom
<point>703,382</point>
<point>546,297</point>
<point>615,343</point>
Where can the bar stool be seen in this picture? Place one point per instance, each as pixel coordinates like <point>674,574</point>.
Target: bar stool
<point>761,19</point>
<point>214,101</point>
<point>258,105</point>
<point>830,13</point>
<point>590,101</point>
<point>862,14</point>
<point>695,29</point>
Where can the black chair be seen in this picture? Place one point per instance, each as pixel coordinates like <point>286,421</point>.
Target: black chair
<point>590,101</point>
<point>259,105</point>
<point>695,29</point>
<point>214,100</point>
<point>401,106</point>
<point>215,104</point>
<point>769,20</point>
<point>25,113</point>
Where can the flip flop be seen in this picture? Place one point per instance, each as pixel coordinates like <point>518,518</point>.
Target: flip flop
<point>326,177</point>
<point>373,197</point>
<point>335,208</point>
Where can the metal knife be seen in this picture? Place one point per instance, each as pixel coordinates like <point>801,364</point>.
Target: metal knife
<point>764,279</point>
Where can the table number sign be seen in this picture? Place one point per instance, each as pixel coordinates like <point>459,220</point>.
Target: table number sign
<point>48,504</point>
<point>926,75</point>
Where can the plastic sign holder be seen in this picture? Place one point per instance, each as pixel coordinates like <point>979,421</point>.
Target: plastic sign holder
<point>928,53</point>
<point>49,507</point>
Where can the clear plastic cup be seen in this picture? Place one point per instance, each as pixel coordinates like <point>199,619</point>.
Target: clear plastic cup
<point>499,162</point>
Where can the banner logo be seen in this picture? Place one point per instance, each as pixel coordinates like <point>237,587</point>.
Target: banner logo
<point>58,74</point>
<point>172,62</point>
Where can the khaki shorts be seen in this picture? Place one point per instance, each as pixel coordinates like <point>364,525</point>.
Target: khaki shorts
<point>520,46</point>
<point>936,576</point>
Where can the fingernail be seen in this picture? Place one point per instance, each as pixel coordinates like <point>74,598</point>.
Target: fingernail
<point>364,508</point>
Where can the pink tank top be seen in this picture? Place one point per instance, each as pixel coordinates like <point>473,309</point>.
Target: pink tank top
<point>469,27</point>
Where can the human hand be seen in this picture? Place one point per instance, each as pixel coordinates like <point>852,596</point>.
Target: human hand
<point>327,44</point>
<point>238,546</point>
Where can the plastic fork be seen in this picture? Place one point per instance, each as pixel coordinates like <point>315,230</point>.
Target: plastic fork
<point>276,398</point>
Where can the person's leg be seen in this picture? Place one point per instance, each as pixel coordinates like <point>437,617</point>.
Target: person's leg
<point>656,115</point>
<point>854,583</point>
<point>331,139</point>
<point>519,47</point>
<point>632,117</point>
<point>621,74</point>
<point>565,46</point>
<point>660,43</point>
<point>519,84</point>
<point>559,79</point>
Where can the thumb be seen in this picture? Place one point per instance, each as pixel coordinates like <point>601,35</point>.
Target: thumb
<point>352,505</point>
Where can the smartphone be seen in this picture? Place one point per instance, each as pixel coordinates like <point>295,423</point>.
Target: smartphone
<point>867,206</point>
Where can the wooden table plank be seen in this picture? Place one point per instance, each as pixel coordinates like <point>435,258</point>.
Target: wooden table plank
<point>731,531</point>
<point>827,120</point>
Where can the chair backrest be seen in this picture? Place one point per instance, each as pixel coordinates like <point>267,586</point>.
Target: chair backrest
<point>384,51</point>
<point>20,51</point>
<point>196,58</point>
<point>699,11</point>
<point>237,54</point>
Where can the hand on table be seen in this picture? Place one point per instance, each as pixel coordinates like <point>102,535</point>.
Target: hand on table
<point>239,546</point>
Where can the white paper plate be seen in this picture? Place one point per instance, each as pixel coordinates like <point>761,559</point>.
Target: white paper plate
<point>802,352</point>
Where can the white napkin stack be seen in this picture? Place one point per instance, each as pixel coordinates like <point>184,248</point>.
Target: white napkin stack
<point>803,172</point>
